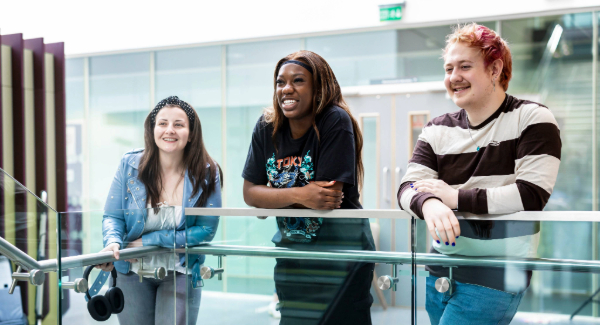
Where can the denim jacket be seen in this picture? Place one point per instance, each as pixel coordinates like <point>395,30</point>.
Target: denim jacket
<point>125,215</point>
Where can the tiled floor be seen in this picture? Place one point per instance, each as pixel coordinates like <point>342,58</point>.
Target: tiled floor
<point>228,308</point>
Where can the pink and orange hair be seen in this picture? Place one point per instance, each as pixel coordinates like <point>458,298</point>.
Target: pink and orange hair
<point>492,47</point>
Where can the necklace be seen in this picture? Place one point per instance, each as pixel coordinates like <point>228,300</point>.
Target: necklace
<point>469,128</point>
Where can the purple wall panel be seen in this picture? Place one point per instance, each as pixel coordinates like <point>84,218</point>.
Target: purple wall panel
<point>37,47</point>
<point>15,41</point>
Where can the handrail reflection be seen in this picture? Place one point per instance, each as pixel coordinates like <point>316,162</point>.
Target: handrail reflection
<point>539,264</point>
<point>570,216</point>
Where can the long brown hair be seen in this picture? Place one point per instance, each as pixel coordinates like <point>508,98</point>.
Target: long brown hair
<point>195,159</point>
<point>327,93</point>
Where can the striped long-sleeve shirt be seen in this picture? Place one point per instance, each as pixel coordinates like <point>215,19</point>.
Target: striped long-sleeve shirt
<point>514,170</point>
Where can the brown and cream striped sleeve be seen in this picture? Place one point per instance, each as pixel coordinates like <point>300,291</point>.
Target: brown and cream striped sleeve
<point>422,165</point>
<point>538,150</point>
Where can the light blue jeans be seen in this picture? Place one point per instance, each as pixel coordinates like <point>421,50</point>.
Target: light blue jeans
<point>470,304</point>
<point>153,301</point>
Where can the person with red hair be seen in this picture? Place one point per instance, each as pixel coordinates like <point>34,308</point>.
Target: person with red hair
<point>498,154</point>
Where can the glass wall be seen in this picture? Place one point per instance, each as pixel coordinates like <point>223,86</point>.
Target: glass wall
<point>358,59</point>
<point>552,64</point>
<point>75,89</point>
<point>386,57</point>
<point>119,104</point>
<point>74,71</point>
<point>370,156</point>
<point>194,75</point>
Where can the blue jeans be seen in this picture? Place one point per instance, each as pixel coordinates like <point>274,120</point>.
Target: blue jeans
<point>470,304</point>
<point>153,301</point>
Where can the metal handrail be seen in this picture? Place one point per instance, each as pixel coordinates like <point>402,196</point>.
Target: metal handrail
<point>51,265</point>
<point>570,216</point>
<point>18,256</point>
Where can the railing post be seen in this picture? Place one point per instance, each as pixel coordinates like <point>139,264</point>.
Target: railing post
<point>413,267</point>
<point>594,150</point>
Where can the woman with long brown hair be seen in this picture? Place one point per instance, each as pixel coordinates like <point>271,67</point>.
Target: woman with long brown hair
<point>173,170</point>
<point>306,153</point>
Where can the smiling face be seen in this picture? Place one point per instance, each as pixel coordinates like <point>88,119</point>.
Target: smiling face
<point>294,90</point>
<point>171,132</point>
<point>468,81</point>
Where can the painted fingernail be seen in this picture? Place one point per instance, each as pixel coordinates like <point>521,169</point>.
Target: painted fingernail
<point>438,241</point>
<point>453,244</point>
<point>457,236</point>
<point>447,243</point>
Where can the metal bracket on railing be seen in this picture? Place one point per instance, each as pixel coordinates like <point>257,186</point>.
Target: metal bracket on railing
<point>207,272</point>
<point>79,285</point>
<point>35,277</point>
<point>158,273</point>
<point>445,284</point>
<point>385,282</point>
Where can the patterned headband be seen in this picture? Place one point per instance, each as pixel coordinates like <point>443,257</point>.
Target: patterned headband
<point>302,64</point>
<point>174,100</point>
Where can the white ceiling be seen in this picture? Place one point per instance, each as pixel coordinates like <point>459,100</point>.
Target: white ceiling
<point>111,25</point>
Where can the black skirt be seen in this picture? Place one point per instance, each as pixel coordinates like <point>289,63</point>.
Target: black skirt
<point>324,292</point>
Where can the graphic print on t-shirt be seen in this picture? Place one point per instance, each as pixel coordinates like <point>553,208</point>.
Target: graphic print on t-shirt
<point>294,171</point>
<point>290,171</point>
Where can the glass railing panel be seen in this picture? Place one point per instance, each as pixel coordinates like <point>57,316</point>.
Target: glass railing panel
<point>146,240</point>
<point>527,271</point>
<point>304,269</point>
<point>27,223</point>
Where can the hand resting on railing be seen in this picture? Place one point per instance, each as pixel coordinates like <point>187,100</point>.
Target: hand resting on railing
<point>114,247</point>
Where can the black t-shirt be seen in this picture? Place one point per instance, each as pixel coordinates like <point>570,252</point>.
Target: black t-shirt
<point>296,162</point>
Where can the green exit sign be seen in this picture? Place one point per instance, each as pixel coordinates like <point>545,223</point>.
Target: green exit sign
<point>390,12</point>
